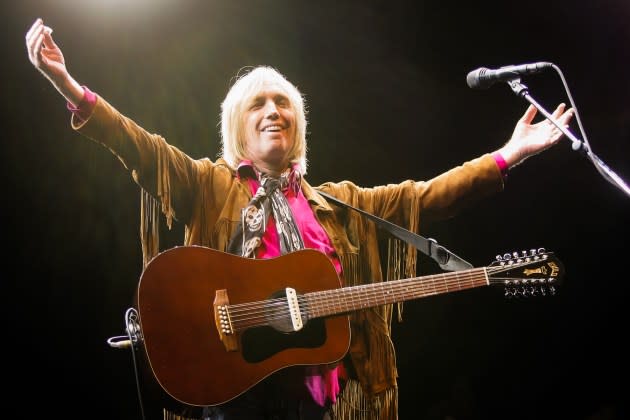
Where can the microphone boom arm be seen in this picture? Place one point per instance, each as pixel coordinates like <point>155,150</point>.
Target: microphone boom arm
<point>578,145</point>
<point>521,90</point>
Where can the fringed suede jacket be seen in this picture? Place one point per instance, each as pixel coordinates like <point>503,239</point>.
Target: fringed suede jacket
<point>207,197</point>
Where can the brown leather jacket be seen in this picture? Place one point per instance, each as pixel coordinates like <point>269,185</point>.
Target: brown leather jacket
<point>208,198</point>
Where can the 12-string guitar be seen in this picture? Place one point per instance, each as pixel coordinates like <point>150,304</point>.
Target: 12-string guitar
<point>213,324</point>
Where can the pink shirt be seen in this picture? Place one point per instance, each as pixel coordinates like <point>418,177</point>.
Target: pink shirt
<point>312,232</point>
<point>321,381</point>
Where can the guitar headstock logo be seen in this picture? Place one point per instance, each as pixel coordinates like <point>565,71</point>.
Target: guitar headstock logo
<point>532,271</point>
<point>552,271</point>
<point>555,269</point>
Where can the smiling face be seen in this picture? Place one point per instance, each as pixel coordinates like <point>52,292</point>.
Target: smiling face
<point>263,119</point>
<point>269,129</point>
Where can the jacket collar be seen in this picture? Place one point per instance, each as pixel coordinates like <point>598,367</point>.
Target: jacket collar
<point>247,170</point>
<point>313,197</point>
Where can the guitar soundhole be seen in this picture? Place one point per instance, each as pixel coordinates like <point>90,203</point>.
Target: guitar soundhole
<point>261,343</point>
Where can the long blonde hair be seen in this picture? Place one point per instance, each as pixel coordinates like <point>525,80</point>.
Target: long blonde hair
<point>246,87</point>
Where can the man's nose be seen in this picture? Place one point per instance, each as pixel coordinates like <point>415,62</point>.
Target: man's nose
<point>271,110</point>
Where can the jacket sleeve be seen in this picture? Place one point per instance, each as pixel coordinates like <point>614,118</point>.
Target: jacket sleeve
<point>164,171</point>
<point>439,198</point>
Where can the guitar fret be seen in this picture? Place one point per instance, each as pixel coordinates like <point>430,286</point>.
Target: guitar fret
<point>367,298</point>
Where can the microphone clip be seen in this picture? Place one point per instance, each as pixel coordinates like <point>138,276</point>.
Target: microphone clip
<point>517,87</point>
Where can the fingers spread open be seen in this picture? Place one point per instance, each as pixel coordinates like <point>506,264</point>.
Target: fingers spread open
<point>558,111</point>
<point>529,114</point>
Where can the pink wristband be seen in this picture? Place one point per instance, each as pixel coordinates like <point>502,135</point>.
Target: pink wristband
<point>85,107</point>
<point>501,163</point>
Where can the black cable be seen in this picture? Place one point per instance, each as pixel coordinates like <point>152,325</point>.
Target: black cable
<point>585,147</point>
<point>132,338</point>
<point>133,332</point>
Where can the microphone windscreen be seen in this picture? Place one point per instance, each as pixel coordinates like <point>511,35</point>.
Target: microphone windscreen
<point>474,79</point>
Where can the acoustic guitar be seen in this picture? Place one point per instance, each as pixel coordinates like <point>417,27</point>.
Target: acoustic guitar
<point>213,324</point>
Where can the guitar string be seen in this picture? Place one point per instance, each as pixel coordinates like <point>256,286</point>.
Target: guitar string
<point>362,296</point>
<point>263,312</point>
<point>236,308</point>
<point>268,311</point>
<point>357,298</point>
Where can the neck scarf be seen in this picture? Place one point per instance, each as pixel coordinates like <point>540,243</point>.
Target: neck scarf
<point>268,200</point>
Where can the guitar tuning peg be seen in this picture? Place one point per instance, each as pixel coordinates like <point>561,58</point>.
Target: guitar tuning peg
<point>499,258</point>
<point>515,254</point>
<point>541,250</point>
<point>507,257</point>
<point>532,252</point>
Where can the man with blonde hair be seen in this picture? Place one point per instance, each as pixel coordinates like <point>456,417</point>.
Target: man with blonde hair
<point>255,202</point>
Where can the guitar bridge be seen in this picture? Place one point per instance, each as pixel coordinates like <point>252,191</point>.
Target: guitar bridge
<point>223,322</point>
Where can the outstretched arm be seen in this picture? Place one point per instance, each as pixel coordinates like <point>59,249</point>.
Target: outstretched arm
<point>529,139</point>
<point>47,57</point>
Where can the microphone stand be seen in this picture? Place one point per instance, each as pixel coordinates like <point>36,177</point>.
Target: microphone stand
<point>578,145</point>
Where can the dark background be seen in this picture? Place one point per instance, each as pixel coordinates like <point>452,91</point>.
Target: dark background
<point>388,101</point>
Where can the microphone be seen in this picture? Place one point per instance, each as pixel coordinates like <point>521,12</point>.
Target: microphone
<point>483,78</point>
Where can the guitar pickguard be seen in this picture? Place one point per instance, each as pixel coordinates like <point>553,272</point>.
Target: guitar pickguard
<point>258,344</point>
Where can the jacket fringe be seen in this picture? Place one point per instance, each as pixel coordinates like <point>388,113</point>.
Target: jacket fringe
<point>150,206</point>
<point>401,264</point>
<point>172,416</point>
<point>354,404</point>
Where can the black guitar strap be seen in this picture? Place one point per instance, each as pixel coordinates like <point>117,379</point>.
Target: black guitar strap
<point>445,258</point>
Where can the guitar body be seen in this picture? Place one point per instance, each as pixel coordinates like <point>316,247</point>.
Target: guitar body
<point>184,349</point>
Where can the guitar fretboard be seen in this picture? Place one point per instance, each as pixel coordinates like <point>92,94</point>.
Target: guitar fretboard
<point>348,299</point>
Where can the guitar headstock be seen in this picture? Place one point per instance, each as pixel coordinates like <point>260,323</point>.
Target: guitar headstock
<point>529,273</point>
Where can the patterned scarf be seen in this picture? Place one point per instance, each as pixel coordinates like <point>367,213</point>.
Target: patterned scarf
<point>269,199</point>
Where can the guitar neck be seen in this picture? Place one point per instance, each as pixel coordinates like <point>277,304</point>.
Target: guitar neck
<point>348,299</point>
